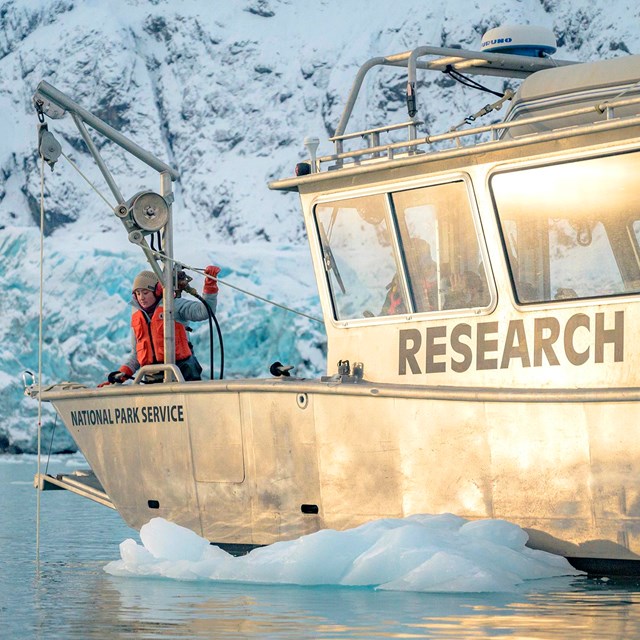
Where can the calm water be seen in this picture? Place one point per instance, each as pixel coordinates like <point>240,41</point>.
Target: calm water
<point>68,595</point>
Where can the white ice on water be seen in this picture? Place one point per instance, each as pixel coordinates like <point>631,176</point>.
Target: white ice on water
<point>437,553</point>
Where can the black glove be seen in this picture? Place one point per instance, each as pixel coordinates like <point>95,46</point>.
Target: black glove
<point>117,376</point>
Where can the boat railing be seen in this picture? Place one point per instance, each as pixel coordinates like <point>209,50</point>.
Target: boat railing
<point>444,59</point>
<point>411,146</point>
<point>473,62</point>
<point>170,373</point>
<point>372,136</point>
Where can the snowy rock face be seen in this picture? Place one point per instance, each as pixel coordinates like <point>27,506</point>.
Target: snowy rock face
<point>224,93</point>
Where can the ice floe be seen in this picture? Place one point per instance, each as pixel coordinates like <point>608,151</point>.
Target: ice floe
<point>436,553</point>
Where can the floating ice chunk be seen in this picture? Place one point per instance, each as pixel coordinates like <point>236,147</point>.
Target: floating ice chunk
<point>170,541</point>
<point>449,572</point>
<point>137,560</point>
<point>133,554</point>
<point>500,532</point>
<point>553,562</point>
<point>442,553</point>
<point>396,552</point>
<point>320,558</point>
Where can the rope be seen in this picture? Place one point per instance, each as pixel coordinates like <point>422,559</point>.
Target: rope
<point>70,161</point>
<point>40,354</point>
<point>194,269</point>
<point>630,88</point>
<point>233,286</point>
<point>508,95</point>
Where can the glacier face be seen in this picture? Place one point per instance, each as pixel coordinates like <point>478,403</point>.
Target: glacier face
<point>225,93</point>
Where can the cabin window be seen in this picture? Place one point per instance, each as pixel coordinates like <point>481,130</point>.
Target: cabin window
<point>571,230</point>
<point>358,255</point>
<point>441,250</point>
<point>413,251</point>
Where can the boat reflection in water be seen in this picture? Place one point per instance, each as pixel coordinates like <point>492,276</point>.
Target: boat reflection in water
<point>480,293</point>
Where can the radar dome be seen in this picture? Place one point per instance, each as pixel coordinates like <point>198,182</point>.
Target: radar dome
<point>522,40</point>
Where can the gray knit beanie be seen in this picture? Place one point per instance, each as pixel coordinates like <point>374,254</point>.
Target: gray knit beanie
<point>145,280</point>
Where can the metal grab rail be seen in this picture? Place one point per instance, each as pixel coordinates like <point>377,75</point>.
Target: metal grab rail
<point>473,62</point>
<point>150,369</point>
<point>457,151</point>
<point>367,132</point>
<point>606,108</point>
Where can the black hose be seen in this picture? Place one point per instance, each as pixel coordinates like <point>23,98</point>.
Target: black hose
<point>219,331</point>
<point>212,317</point>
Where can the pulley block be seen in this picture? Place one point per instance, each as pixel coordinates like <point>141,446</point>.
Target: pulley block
<point>147,211</point>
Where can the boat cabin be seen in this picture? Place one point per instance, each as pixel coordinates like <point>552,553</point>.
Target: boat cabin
<point>499,255</point>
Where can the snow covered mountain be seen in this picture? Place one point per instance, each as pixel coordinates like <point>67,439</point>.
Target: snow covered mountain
<point>225,92</point>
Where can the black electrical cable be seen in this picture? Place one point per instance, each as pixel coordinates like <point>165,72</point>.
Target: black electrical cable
<point>219,331</point>
<point>212,317</point>
<point>468,82</point>
<point>209,315</point>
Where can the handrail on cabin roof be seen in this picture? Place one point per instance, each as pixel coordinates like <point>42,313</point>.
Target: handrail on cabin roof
<point>473,62</point>
<point>607,108</point>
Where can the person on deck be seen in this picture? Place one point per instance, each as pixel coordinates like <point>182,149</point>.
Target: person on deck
<point>147,324</point>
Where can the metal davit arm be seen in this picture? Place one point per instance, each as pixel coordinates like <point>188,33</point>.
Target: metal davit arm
<point>47,92</point>
<point>54,104</point>
<point>168,292</point>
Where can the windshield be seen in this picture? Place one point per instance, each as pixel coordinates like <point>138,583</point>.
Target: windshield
<point>571,230</point>
<point>413,251</point>
<point>358,254</point>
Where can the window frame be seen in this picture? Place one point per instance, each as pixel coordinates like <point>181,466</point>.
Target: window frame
<point>387,190</point>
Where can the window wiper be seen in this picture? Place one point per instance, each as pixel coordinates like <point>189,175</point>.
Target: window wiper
<point>329,260</point>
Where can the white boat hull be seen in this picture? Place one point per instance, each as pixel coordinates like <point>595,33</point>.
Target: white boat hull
<point>250,462</point>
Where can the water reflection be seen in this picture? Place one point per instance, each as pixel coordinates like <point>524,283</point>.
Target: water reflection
<point>71,597</point>
<point>566,608</point>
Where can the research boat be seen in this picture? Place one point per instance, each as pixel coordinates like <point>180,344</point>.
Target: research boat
<point>480,290</point>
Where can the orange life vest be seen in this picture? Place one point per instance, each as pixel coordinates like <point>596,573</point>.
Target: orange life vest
<point>394,302</point>
<point>150,343</point>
